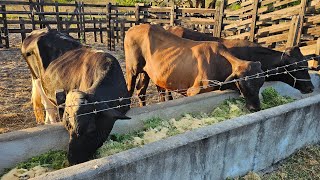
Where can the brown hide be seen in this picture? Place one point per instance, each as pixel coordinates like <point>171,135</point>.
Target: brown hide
<point>175,63</point>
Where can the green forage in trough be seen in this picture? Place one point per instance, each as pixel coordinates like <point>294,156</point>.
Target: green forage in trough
<point>51,159</point>
<point>271,98</point>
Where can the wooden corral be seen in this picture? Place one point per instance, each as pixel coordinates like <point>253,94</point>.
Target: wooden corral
<point>273,23</point>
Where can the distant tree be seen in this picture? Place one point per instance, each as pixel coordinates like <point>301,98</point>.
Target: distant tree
<point>201,3</point>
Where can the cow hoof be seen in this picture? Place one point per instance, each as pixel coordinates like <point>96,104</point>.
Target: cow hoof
<point>193,91</point>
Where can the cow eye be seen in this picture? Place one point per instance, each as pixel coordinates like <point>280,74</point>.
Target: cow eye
<point>29,54</point>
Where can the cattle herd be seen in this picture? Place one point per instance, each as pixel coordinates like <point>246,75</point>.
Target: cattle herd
<point>86,88</point>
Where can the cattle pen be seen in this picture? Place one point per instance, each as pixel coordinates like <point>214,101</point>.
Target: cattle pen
<point>272,23</point>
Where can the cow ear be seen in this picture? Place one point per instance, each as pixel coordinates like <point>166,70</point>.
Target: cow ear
<point>60,96</point>
<point>294,52</point>
<point>255,65</point>
<point>115,114</point>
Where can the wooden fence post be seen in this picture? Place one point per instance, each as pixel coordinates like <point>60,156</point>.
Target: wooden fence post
<point>113,39</point>
<point>137,13</point>
<point>293,31</point>
<point>83,18</point>
<point>94,31</point>
<point>123,33</point>
<point>318,54</point>
<point>77,11</point>
<point>5,26</point>
<point>109,5</point>
<point>67,25</point>
<point>22,28</point>
<point>41,16</point>
<point>172,14</point>
<point>219,19</point>
<point>57,16</point>
<point>100,29</point>
<point>254,20</point>
<point>302,13</point>
<point>1,44</point>
<point>32,14</point>
<point>117,24</point>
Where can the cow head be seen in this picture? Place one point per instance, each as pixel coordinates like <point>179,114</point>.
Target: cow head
<point>248,87</point>
<point>43,46</point>
<point>88,130</point>
<point>298,79</point>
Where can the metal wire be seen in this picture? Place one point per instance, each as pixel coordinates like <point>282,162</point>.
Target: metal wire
<point>213,83</point>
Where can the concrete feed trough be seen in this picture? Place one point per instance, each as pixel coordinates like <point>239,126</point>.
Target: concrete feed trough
<point>230,148</point>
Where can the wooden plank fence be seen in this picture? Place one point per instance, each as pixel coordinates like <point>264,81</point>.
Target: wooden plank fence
<point>275,24</point>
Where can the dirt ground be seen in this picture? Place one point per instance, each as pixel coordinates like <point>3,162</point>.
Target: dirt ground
<point>15,86</point>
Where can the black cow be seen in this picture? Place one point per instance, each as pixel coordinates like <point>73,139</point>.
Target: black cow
<point>269,58</point>
<point>39,49</point>
<point>95,75</point>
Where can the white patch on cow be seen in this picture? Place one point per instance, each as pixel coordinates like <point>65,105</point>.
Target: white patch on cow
<point>51,111</point>
<point>64,36</point>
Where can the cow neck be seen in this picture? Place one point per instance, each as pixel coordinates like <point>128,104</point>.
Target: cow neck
<point>33,74</point>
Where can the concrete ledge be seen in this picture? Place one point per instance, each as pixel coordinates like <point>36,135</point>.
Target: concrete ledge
<point>231,148</point>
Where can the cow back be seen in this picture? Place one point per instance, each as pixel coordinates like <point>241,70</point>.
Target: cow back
<point>89,71</point>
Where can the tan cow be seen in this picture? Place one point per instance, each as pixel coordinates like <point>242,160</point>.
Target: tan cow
<point>175,63</point>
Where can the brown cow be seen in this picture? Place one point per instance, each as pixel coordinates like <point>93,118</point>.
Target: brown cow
<point>179,64</point>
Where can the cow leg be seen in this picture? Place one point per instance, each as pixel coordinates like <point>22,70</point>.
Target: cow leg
<point>131,81</point>
<point>170,97</point>
<point>48,105</point>
<point>195,88</point>
<point>37,105</point>
<point>141,87</point>
<point>162,95</point>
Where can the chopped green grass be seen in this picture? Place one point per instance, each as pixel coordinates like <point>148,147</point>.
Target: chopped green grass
<point>271,98</point>
<point>152,123</point>
<point>229,109</point>
<point>52,159</point>
<point>158,129</point>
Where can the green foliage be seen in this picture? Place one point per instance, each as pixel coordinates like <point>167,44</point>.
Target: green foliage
<point>129,2</point>
<point>112,147</point>
<point>271,98</point>
<point>51,159</point>
<point>234,6</point>
<point>229,109</point>
<point>59,1</point>
<point>152,123</point>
